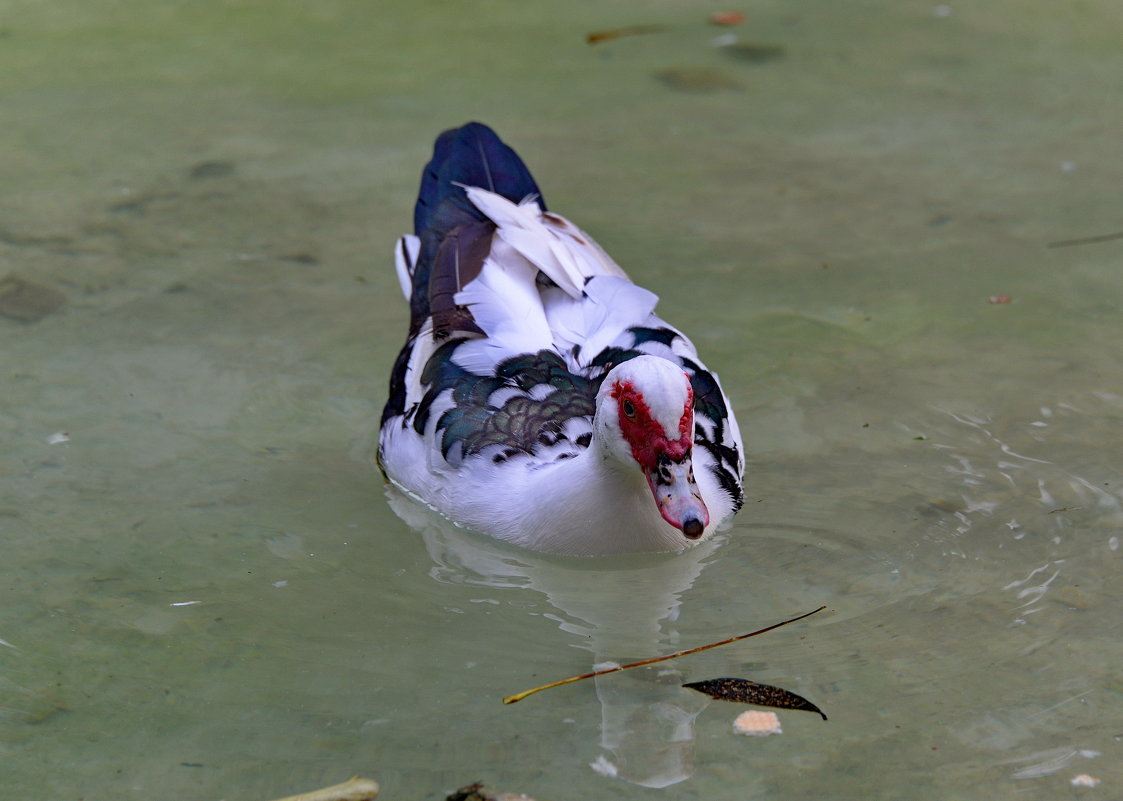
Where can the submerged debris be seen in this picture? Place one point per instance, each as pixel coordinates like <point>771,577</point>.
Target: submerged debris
<point>475,792</point>
<point>753,52</point>
<point>211,169</point>
<point>469,792</point>
<point>697,79</point>
<point>27,302</point>
<point>744,691</point>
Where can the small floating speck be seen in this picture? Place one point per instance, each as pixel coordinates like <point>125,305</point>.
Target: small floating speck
<point>726,18</point>
<point>58,437</point>
<point>185,603</point>
<point>1084,780</point>
<point>281,583</point>
<point>757,723</point>
<point>602,766</point>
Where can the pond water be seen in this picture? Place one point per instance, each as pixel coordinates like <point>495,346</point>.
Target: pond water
<point>208,594</point>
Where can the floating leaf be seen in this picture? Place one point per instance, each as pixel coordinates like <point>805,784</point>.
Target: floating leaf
<point>750,692</point>
<point>618,33</point>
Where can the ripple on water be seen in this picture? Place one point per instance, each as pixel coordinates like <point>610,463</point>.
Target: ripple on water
<point>971,575</point>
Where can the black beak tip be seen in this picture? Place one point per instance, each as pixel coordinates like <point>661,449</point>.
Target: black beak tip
<point>692,528</point>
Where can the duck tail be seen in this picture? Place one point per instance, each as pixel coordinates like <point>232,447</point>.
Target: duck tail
<point>452,235</point>
<point>472,155</point>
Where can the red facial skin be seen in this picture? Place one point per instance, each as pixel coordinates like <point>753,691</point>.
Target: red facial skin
<point>663,459</point>
<point>645,434</point>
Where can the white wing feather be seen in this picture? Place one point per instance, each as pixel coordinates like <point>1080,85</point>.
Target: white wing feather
<point>592,304</point>
<point>551,243</point>
<point>405,259</point>
<point>505,302</point>
<point>611,306</point>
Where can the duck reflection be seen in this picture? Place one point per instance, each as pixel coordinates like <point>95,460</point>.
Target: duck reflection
<point>619,608</point>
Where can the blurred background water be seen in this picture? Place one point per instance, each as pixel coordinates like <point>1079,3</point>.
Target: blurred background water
<point>205,593</point>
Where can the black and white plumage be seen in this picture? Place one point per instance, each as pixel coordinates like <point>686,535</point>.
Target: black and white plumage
<point>538,398</point>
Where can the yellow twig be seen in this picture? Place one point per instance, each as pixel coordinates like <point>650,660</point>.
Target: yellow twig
<point>512,699</point>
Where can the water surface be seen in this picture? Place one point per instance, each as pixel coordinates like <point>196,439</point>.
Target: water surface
<point>206,593</point>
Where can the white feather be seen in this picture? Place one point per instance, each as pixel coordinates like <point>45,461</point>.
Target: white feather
<point>609,307</point>
<point>405,259</point>
<point>505,302</point>
<point>548,241</point>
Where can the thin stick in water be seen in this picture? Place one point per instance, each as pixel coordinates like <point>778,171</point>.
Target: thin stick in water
<point>1085,240</point>
<point>512,699</point>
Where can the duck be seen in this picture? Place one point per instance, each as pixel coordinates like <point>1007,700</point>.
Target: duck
<point>538,398</point>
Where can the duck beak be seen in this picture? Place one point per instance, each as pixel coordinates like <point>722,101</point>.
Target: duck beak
<point>677,495</point>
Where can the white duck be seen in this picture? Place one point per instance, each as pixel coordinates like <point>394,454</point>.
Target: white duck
<point>538,398</point>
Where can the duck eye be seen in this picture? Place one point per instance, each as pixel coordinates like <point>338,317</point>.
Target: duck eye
<point>629,409</point>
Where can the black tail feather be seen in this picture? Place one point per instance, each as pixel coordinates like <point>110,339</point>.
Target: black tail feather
<point>472,155</point>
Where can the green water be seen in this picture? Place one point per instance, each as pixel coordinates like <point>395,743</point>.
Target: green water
<point>205,593</point>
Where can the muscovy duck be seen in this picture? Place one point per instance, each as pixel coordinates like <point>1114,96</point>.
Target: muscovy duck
<point>538,398</point>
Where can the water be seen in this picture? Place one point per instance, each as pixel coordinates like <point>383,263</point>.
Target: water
<point>206,594</point>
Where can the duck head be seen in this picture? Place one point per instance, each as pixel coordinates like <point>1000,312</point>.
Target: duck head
<point>645,422</point>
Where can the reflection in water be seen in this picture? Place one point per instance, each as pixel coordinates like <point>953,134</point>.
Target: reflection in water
<point>617,606</point>
<point>1045,763</point>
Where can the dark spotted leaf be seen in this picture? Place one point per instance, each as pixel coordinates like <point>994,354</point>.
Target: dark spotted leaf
<point>750,692</point>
